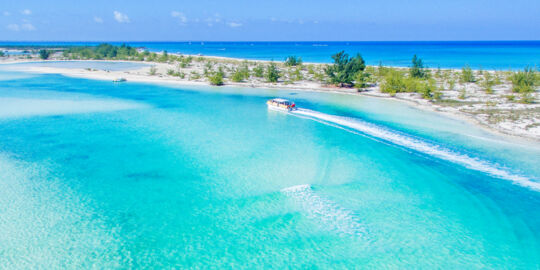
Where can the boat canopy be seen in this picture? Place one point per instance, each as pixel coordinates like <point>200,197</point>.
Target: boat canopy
<point>282,101</point>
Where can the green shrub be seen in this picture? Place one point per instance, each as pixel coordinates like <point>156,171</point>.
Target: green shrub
<point>451,84</point>
<point>194,75</point>
<point>488,82</point>
<point>272,73</point>
<point>467,74</point>
<point>179,74</point>
<point>293,61</point>
<point>310,70</point>
<point>510,97</point>
<point>361,79</point>
<point>393,82</point>
<point>296,75</point>
<point>216,79</point>
<point>382,71</point>
<point>237,76</point>
<point>258,71</point>
<point>428,88</point>
<point>524,81</point>
<point>164,57</point>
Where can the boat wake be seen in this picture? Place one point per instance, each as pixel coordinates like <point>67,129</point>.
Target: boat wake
<point>331,216</point>
<point>421,146</point>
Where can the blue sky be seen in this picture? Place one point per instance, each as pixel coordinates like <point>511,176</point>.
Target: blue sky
<point>276,20</point>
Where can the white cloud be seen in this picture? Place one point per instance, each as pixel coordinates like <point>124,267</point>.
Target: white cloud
<point>26,12</point>
<point>210,21</point>
<point>13,27</point>
<point>234,24</point>
<point>98,20</point>
<point>176,14</point>
<point>6,13</point>
<point>27,27</point>
<point>121,17</point>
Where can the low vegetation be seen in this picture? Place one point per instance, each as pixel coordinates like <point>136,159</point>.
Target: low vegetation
<point>345,71</point>
<point>474,92</point>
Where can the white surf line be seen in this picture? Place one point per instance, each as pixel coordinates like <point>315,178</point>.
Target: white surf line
<point>330,215</point>
<point>420,146</point>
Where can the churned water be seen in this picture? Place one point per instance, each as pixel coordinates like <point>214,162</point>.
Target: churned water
<point>104,175</point>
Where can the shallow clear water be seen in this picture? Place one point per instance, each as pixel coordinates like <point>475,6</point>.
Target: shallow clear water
<point>500,55</point>
<point>104,175</point>
<point>103,65</point>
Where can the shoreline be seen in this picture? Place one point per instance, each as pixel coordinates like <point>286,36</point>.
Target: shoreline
<point>141,75</point>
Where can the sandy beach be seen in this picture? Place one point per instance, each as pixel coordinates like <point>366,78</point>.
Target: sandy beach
<point>476,107</point>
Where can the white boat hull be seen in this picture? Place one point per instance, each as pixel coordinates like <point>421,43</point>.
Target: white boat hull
<point>275,108</point>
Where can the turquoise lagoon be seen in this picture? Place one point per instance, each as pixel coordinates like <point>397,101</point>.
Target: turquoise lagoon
<point>132,175</point>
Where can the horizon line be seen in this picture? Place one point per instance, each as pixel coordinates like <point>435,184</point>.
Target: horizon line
<point>261,41</point>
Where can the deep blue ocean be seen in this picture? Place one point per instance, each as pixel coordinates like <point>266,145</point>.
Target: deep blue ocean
<point>499,55</point>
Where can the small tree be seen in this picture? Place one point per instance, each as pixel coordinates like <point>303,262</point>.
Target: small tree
<point>345,68</point>
<point>293,61</point>
<point>272,73</point>
<point>44,54</point>
<point>258,71</point>
<point>2,54</point>
<point>417,68</point>
<point>216,78</point>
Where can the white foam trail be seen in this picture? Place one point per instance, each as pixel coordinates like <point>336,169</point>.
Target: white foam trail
<point>325,211</point>
<point>420,146</point>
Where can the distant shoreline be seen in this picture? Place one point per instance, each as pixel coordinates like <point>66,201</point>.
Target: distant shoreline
<point>487,55</point>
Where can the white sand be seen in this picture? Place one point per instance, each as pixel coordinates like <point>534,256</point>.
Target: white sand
<point>473,108</point>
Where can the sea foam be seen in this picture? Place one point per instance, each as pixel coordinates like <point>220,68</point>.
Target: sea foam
<point>419,145</point>
<point>329,214</point>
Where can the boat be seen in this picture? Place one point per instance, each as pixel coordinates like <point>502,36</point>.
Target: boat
<point>119,80</point>
<point>281,104</point>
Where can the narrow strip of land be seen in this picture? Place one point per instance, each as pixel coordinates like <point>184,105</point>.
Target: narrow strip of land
<point>502,101</point>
